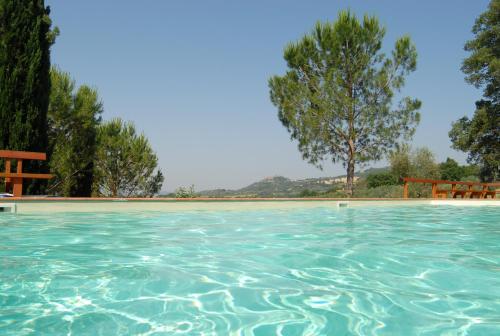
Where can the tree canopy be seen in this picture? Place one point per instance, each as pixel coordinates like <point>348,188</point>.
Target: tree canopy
<point>482,67</point>
<point>452,171</point>
<point>25,40</point>
<point>381,179</point>
<point>73,118</point>
<point>480,135</point>
<point>336,98</point>
<point>419,162</point>
<point>126,164</point>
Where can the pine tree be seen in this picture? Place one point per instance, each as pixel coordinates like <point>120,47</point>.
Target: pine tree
<point>125,165</point>
<point>73,117</point>
<point>336,97</point>
<point>479,136</point>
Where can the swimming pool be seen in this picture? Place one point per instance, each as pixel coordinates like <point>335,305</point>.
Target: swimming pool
<point>310,269</point>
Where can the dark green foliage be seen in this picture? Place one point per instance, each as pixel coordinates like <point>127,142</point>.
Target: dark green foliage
<point>482,67</point>
<point>383,191</point>
<point>450,170</point>
<point>381,179</point>
<point>336,98</point>
<point>125,164</point>
<point>470,171</point>
<point>73,119</point>
<point>25,39</point>
<point>480,136</point>
<point>308,193</point>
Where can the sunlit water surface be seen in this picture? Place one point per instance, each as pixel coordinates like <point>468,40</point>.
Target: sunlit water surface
<point>421,270</point>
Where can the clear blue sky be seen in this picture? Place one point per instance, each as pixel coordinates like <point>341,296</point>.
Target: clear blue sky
<point>192,75</point>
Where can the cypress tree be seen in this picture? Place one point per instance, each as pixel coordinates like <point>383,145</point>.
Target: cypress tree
<point>25,40</point>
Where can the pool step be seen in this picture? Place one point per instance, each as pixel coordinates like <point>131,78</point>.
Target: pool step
<point>8,207</point>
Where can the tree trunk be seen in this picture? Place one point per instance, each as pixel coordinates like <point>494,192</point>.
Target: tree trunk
<point>350,169</point>
<point>350,176</point>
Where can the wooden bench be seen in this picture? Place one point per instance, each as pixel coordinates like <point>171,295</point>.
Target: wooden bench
<point>470,192</point>
<point>14,181</point>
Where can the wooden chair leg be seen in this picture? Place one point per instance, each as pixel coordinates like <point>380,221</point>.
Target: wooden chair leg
<point>484,193</point>
<point>434,189</point>
<point>18,187</point>
<point>8,186</point>
<point>8,181</point>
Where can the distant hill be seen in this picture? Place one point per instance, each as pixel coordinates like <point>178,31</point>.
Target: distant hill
<point>279,186</point>
<point>276,186</point>
<point>369,171</point>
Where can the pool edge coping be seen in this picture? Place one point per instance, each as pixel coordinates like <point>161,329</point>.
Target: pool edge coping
<point>99,205</point>
<point>225,199</point>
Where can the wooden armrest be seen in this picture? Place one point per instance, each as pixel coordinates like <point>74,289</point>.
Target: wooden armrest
<point>27,175</point>
<point>8,154</point>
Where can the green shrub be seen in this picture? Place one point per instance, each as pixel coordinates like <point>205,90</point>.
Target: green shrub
<point>417,163</point>
<point>470,171</point>
<point>384,191</point>
<point>185,192</point>
<point>381,179</point>
<point>308,193</point>
<point>452,171</point>
<point>472,178</point>
<point>420,190</point>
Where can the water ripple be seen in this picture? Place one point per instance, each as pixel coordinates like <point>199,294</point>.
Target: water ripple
<point>421,270</point>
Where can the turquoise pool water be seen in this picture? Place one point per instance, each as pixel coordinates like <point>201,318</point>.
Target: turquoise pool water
<point>412,270</point>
